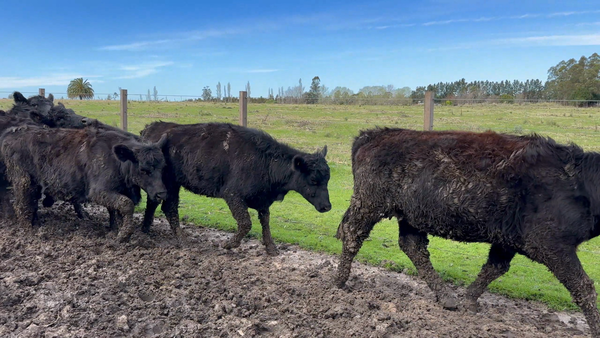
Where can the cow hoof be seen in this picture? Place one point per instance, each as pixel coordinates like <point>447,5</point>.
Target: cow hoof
<point>340,283</point>
<point>272,251</point>
<point>469,305</point>
<point>231,245</point>
<point>123,237</point>
<point>449,303</point>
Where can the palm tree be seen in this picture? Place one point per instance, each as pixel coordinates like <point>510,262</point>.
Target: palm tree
<point>80,88</point>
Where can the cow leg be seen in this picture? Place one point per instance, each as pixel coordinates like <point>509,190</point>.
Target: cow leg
<point>264,216</point>
<point>239,210</point>
<point>81,213</point>
<point>565,265</point>
<point>5,205</point>
<point>170,208</point>
<point>121,204</point>
<point>497,264</point>
<point>355,227</point>
<point>414,244</point>
<point>26,197</point>
<point>114,219</point>
<point>151,206</point>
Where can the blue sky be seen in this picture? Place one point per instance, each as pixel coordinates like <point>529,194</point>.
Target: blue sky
<point>181,47</point>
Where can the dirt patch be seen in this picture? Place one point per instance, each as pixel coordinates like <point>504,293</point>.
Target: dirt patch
<point>70,279</point>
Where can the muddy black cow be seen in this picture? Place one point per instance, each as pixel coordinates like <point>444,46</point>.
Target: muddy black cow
<point>8,121</point>
<point>523,194</point>
<point>42,110</point>
<point>81,165</point>
<point>244,166</point>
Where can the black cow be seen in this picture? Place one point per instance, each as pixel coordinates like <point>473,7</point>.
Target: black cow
<point>8,121</point>
<point>80,165</point>
<point>522,194</point>
<point>23,106</point>
<point>42,110</point>
<point>245,167</point>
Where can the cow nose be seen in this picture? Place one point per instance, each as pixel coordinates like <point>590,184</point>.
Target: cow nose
<point>161,196</point>
<point>325,208</point>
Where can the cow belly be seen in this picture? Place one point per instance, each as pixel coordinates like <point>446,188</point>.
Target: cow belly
<point>466,211</point>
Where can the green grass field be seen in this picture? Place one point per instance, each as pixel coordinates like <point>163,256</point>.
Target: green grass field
<point>310,127</point>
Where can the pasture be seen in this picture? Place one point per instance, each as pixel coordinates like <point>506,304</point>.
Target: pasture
<point>310,127</point>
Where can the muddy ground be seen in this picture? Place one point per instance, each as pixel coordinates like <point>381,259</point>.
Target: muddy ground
<point>70,279</point>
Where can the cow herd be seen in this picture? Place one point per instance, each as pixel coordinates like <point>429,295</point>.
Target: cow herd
<point>522,194</point>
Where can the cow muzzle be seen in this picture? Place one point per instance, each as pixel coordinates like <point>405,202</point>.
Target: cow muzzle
<point>160,196</point>
<point>324,208</point>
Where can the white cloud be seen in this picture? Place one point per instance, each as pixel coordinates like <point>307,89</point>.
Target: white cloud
<point>41,81</point>
<point>136,46</point>
<point>142,70</point>
<point>553,40</point>
<point>177,39</point>
<point>262,70</point>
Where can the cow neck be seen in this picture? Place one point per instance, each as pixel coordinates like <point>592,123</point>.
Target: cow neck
<point>281,171</point>
<point>590,171</point>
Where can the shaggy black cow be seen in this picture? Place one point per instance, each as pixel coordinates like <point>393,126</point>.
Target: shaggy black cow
<point>245,167</point>
<point>42,110</point>
<point>80,165</point>
<point>37,103</point>
<point>522,194</point>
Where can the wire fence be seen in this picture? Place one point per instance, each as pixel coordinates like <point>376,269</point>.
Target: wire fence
<point>333,100</point>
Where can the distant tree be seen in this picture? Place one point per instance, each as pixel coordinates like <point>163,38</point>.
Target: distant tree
<point>299,89</point>
<point>115,96</point>
<point>228,90</point>
<point>148,97</point>
<point>109,97</point>
<point>314,92</point>
<point>10,96</point>
<point>248,89</point>
<point>206,94</point>
<point>218,91</point>
<point>80,88</point>
<point>575,80</point>
<point>342,95</point>
<point>155,94</point>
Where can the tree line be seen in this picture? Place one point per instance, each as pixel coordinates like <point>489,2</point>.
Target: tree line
<point>577,80</point>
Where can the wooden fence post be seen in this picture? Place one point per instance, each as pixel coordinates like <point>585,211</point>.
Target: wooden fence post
<point>243,109</point>
<point>124,109</point>
<point>428,106</point>
<point>42,92</point>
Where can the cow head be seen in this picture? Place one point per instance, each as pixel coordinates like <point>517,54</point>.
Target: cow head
<point>147,163</point>
<point>38,104</point>
<point>61,117</point>
<point>310,178</point>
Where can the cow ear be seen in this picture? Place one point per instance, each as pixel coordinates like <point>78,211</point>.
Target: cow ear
<point>124,154</point>
<point>51,98</point>
<point>323,151</point>
<point>299,164</point>
<point>163,141</point>
<point>19,98</point>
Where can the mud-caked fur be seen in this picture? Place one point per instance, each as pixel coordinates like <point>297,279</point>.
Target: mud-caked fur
<point>523,194</point>
<point>246,167</point>
<point>106,168</point>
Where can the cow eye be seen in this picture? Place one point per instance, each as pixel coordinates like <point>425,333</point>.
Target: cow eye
<point>146,172</point>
